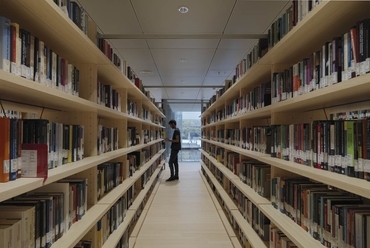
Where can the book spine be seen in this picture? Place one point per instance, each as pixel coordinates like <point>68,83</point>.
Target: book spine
<point>5,44</point>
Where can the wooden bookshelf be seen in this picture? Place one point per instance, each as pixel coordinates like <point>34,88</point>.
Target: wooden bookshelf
<point>117,192</point>
<point>79,229</point>
<point>347,92</point>
<point>64,38</point>
<point>299,236</point>
<point>33,93</point>
<point>23,185</point>
<point>213,197</point>
<point>295,233</point>
<point>327,20</point>
<point>248,231</point>
<point>114,238</point>
<point>247,191</point>
<point>54,27</point>
<point>319,26</point>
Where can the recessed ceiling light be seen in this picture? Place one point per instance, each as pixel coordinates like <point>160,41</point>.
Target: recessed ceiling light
<point>147,72</point>
<point>183,9</point>
<point>182,60</point>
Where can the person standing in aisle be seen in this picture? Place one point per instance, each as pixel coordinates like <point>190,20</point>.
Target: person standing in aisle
<point>175,148</point>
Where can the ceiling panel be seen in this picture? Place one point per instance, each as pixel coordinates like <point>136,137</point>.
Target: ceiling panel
<point>170,58</point>
<point>206,94</point>
<point>181,81</point>
<point>214,81</point>
<point>253,17</point>
<point>240,44</point>
<point>150,80</point>
<point>182,93</point>
<point>227,59</point>
<point>129,43</point>
<point>158,94</point>
<point>182,43</point>
<point>162,16</point>
<point>220,73</point>
<point>185,107</point>
<point>108,13</point>
<point>139,59</point>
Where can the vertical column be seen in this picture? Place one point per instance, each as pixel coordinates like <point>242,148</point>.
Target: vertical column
<point>88,81</point>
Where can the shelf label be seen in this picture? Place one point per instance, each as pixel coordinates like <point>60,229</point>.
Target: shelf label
<point>360,165</point>
<point>366,165</point>
<point>6,165</point>
<point>367,65</point>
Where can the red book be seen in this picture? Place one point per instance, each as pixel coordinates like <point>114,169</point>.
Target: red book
<point>35,161</point>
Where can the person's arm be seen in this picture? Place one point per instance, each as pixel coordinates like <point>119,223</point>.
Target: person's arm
<point>176,140</point>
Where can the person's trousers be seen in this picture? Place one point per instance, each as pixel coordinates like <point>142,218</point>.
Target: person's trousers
<point>173,163</point>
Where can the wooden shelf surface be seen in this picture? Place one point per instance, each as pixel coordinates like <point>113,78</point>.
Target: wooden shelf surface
<point>295,233</point>
<point>23,185</point>
<point>18,89</point>
<point>235,242</point>
<point>54,27</point>
<point>79,229</point>
<point>245,189</point>
<point>212,177</point>
<point>226,223</point>
<point>115,237</point>
<point>248,231</point>
<point>144,192</point>
<point>251,154</point>
<point>318,27</point>
<point>139,223</point>
<point>354,185</point>
<point>346,92</point>
<point>95,213</point>
<point>213,197</point>
<point>251,235</point>
<point>118,191</point>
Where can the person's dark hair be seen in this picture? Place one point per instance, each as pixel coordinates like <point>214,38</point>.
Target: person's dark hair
<point>172,122</point>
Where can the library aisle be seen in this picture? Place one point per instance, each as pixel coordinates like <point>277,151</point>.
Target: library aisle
<point>182,214</point>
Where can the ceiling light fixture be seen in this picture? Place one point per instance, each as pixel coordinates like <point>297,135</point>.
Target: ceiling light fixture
<point>147,72</point>
<point>182,60</point>
<point>183,9</point>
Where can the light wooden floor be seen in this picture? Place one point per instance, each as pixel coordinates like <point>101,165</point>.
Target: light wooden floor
<point>182,214</point>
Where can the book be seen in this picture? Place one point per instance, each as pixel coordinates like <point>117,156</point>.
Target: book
<point>5,37</point>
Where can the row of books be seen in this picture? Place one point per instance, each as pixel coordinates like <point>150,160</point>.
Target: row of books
<point>109,176</point>
<point>111,221</point>
<point>108,97</point>
<point>278,29</point>
<point>339,146</point>
<point>56,144</point>
<point>258,98</point>
<point>334,217</point>
<point>344,57</point>
<point>75,12</point>
<point>80,17</point>
<point>132,108</point>
<point>41,217</point>
<point>256,175</point>
<point>107,139</point>
<point>25,55</point>
<point>259,222</point>
<point>116,59</point>
<point>279,240</point>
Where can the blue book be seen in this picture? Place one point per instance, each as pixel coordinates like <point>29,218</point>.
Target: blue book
<point>4,44</point>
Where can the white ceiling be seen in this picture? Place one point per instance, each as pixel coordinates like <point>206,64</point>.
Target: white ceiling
<point>209,62</point>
